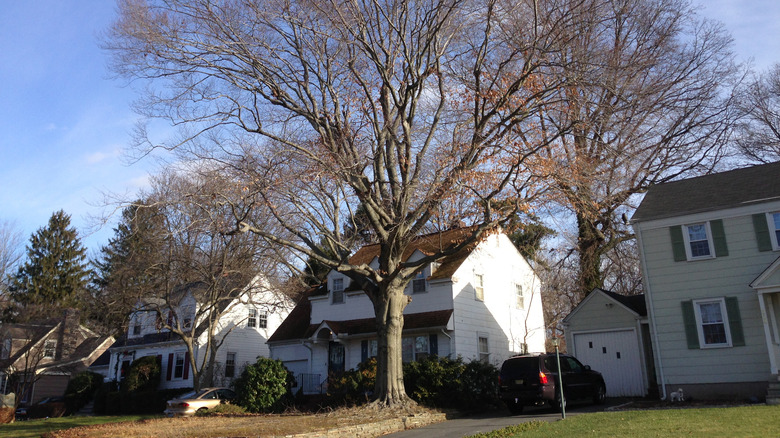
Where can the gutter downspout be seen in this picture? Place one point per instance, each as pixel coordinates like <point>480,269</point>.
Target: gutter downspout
<point>311,353</point>
<point>651,314</point>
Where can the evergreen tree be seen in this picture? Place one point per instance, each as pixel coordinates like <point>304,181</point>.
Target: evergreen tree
<point>128,268</point>
<point>55,270</point>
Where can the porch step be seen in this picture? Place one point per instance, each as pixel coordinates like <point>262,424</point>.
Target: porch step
<point>773,392</point>
<point>87,410</point>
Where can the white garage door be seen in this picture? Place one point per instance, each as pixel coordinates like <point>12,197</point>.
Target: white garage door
<point>615,354</point>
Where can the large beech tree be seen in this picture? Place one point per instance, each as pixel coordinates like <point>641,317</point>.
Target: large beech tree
<point>413,112</point>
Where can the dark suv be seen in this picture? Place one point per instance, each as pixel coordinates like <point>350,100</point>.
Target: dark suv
<point>532,379</point>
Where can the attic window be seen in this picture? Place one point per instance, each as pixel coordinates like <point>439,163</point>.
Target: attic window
<point>520,296</point>
<point>49,348</point>
<point>251,320</point>
<point>419,284</point>
<point>338,291</point>
<point>137,328</point>
<point>479,287</point>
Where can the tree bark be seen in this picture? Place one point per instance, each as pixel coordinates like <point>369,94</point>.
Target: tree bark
<point>389,309</point>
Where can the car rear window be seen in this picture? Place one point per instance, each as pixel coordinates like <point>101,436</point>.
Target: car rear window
<point>521,365</point>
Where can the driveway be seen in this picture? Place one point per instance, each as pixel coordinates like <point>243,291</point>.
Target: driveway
<point>467,426</point>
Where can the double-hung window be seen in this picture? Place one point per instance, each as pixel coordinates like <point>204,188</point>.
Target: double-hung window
<point>479,287</point>
<point>262,320</point>
<point>415,348</point>
<point>251,320</point>
<point>483,346</point>
<point>698,241</point>
<point>520,297</point>
<point>178,367</point>
<point>338,291</point>
<point>230,365</point>
<point>49,348</point>
<point>713,322</point>
<point>419,285</point>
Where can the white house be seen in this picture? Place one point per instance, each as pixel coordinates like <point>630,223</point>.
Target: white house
<point>709,250</point>
<point>248,320</point>
<point>482,303</point>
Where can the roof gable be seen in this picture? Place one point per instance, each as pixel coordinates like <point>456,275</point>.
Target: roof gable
<point>634,304</point>
<point>734,188</point>
<point>769,278</point>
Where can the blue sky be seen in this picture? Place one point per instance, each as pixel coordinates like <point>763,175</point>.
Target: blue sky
<point>64,122</point>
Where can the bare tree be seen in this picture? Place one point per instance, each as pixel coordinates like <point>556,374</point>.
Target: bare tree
<point>197,258</point>
<point>416,112</point>
<point>11,252</point>
<point>759,138</point>
<point>648,98</point>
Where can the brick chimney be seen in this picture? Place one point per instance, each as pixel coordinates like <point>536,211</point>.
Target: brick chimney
<point>68,340</point>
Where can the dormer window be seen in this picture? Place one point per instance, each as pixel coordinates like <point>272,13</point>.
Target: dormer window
<point>49,348</point>
<point>419,284</point>
<point>338,291</point>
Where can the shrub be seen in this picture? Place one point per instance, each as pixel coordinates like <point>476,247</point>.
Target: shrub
<point>81,389</point>
<point>262,386</point>
<point>143,375</point>
<point>48,410</point>
<point>222,409</point>
<point>353,386</point>
<point>451,383</point>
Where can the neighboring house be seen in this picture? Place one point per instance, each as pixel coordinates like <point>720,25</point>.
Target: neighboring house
<point>610,332</point>
<point>709,250</point>
<point>248,321</point>
<point>38,359</point>
<point>482,303</point>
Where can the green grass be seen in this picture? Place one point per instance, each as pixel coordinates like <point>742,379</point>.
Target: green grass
<point>751,421</point>
<point>35,428</point>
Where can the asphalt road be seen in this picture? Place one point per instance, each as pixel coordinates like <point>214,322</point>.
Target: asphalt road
<point>467,426</point>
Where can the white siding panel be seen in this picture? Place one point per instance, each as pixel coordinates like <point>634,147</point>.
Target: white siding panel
<point>615,354</point>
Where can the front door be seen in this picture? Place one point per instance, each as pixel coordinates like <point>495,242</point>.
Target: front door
<point>335,358</point>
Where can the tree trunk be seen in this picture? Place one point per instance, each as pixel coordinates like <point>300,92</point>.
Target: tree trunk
<point>590,243</point>
<point>389,307</point>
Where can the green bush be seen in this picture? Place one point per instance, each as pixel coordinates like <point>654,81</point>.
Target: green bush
<point>353,386</point>
<point>143,375</point>
<point>81,389</point>
<point>451,383</point>
<point>262,386</point>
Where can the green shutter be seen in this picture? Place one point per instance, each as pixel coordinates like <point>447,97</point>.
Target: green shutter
<point>762,232</point>
<point>678,244</point>
<point>719,238</point>
<point>689,320</point>
<point>735,322</point>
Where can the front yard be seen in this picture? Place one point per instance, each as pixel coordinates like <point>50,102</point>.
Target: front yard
<point>746,421</point>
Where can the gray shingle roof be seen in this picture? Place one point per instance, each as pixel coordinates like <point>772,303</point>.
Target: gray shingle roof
<point>735,188</point>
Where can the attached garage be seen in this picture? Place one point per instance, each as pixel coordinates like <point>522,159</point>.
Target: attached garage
<point>608,331</point>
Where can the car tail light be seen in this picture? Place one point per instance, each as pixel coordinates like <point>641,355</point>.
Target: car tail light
<point>542,378</point>
<point>185,405</point>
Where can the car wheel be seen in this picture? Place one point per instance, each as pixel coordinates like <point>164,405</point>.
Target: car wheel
<point>556,404</point>
<point>202,411</point>
<point>515,408</point>
<point>601,394</point>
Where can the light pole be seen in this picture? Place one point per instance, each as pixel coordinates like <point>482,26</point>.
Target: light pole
<point>560,379</point>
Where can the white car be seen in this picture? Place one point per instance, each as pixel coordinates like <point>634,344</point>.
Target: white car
<point>191,402</point>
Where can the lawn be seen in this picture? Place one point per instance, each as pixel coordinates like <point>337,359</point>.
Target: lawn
<point>749,421</point>
<point>35,428</point>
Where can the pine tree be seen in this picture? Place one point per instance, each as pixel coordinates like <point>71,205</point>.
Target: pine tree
<point>55,270</point>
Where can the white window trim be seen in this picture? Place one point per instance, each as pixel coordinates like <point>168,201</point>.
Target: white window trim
<point>483,356</point>
<point>251,318</point>
<point>333,292</point>
<point>772,230</point>
<point>687,239</point>
<point>262,319</point>
<point>183,364</point>
<point>724,314</point>
<point>46,348</point>
<point>519,296</point>
<point>235,361</point>
<point>479,286</point>
<point>421,278</point>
